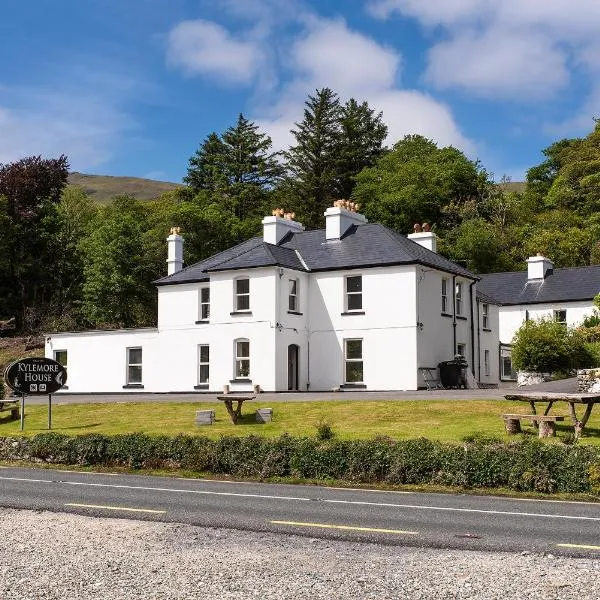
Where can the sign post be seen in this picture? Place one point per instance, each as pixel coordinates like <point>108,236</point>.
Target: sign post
<point>35,377</point>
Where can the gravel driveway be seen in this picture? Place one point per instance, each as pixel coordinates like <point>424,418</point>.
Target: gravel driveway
<point>48,555</point>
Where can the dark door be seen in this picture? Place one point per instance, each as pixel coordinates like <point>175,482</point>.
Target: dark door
<point>293,367</point>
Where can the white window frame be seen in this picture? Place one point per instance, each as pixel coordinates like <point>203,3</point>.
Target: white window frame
<point>445,295</point>
<point>458,295</point>
<point>204,303</point>
<point>239,371</point>
<point>132,364</point>
<point>354,360</point>
<point>348,294</point>
<point>55,357</point>
<point>201,363</point>
<point>294,295</point>
<point>239,295</point>
<point>485,315</point>
<point>557,314</point>
<point>486,362</point>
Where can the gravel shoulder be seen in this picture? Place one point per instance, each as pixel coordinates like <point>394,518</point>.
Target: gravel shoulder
<point>56,555</point>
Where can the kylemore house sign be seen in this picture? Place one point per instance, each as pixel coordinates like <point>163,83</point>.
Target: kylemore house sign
<point>35,376</point>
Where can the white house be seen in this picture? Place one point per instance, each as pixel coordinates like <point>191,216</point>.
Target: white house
<point>351,306</point>
<point>542,291</point>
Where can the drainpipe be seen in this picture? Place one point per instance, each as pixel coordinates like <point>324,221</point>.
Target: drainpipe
<point>478,343</point>
<point>472,330</point>
<point>453,315</point>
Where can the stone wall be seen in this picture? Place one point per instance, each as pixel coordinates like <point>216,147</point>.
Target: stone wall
<point>528,378</point>
<point>588,380</point>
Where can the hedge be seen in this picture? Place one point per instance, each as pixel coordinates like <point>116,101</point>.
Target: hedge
<point>523,465</point>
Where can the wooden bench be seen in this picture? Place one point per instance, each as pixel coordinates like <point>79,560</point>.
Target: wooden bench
<point>13,406</point>
<point>547,423</point>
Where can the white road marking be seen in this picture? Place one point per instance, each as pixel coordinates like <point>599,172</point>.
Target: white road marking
<point>582,546</point>
<point>344,527</point>
<point>300,499</point>
<point>101,506</point>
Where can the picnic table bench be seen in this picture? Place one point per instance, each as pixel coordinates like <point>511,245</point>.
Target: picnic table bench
<point>229,399</point>
<point>546,423</point>
<point>13,406</point>
<point>549,398</point>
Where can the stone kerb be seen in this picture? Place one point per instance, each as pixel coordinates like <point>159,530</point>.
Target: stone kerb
<point>588,381</point>
<point>525,378</point>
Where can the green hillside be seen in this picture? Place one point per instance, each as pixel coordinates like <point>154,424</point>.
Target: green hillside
<point>104,187</point>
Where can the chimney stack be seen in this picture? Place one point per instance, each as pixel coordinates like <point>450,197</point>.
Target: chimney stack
<point>538,267</point>
<point>174,251</point>
<point>277,226</point>
<point>340,217</point>
<point>424,237</point>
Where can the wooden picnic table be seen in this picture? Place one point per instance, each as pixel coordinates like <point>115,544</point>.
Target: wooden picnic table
<point>229,399</point>
<point>549,398</point>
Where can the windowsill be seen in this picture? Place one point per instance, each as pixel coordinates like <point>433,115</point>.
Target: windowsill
<point>201,386</point>
<point>446,315</point>
<point>248,313</point>
<point>241,380</point>
<point>353,386</point>
<point>202,321</point>
<point>485,329</point>
<point>294,312</point>
<point>461,318</point>
<point>133,386</point>
<point>352,312</point>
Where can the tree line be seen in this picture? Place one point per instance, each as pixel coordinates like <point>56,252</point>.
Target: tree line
<point>68,263</point>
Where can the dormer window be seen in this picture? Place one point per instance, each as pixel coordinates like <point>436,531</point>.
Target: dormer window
<point>242,294</point>
<point>354,293</point>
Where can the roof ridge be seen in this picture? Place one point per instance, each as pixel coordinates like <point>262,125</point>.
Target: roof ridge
<point>242,254</point>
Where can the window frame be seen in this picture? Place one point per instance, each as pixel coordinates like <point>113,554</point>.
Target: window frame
<point>55,354</point>
<point>445,295</point>
<point>486,362</point>
<point>462,345</point>
<point>238,359</point>
<point>130,364</point>
<point>202,363</point>
<point>237,295</point>
<point>506,353</point>
<point>204,305</point>
<point>458,296</point>
<point>485,315</point>
<point>348,294</point>
<point>557,312</point>
<point>293,297</point>
<point>360,360</point>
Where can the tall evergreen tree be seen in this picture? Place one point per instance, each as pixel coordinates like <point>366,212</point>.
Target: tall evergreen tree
<point>361,143</point>
<point>207,170</point>
<point>313,162</point>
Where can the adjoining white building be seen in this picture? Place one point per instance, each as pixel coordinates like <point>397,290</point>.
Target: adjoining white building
<point>351,306</point>
<point>540,292</point>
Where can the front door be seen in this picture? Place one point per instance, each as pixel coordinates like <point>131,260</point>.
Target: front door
<point>293,367</point>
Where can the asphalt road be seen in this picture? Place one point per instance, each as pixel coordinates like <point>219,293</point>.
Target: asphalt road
<point>400,518</point>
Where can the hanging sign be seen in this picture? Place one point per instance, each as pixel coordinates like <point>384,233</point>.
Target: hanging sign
<point>35,376</point>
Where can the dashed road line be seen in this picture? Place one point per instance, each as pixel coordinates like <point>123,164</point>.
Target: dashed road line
<point>344,527</point>
<point>123,508</point>
<point>579,546</point>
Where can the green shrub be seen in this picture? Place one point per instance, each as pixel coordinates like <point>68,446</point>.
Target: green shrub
<point>548,346</point>
<point>324,431</point>
<point>2,389</point>
<point>524,465</point>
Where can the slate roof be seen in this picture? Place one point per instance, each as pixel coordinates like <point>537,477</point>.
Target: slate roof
<point>362,246</point>
<point>562,285</point>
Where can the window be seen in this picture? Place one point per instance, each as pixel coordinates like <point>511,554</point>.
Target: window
<point>485,316</point>
<point>506,369</point>
<point>461,349</point>
<point>134,366</point>
<point>242,294</point>
<point>445,296</point>
<point>293,303</point>
<point>353,358</point>
<point>486,362</point>
<point>204,304</point>
<point>458,297</point>
<point>354,293</point>
<point>242,358</point>
<point>560,316</point>
<point>203,363</point>
<point>60,356</point>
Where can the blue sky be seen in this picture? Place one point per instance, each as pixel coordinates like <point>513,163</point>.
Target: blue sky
<point>133,87</point>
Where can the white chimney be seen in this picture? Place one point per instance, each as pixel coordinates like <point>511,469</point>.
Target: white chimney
<point>538,267</point>
<point>340,217</point>
<point>275,228</point>
<point>174,251</point>
<point>424,237</point>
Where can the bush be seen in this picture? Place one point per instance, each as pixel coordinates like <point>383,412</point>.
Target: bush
<point>2,389</point>
<point>547,346</point>
<point>525,465</point>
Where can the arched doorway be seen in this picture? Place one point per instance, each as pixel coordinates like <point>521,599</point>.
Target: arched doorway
<point>293,359</point>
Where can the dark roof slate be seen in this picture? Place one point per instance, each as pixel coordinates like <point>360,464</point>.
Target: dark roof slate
<point>362,246</point>
<point>561,285</point>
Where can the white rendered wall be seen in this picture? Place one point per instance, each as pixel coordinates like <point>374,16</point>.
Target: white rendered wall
<point>489,340</point>
<point>512,317</point>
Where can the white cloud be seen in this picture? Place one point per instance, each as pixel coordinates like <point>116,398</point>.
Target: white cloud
<point>205,48</point>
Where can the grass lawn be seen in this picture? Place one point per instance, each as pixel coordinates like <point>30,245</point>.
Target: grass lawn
<point>435,419</point>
